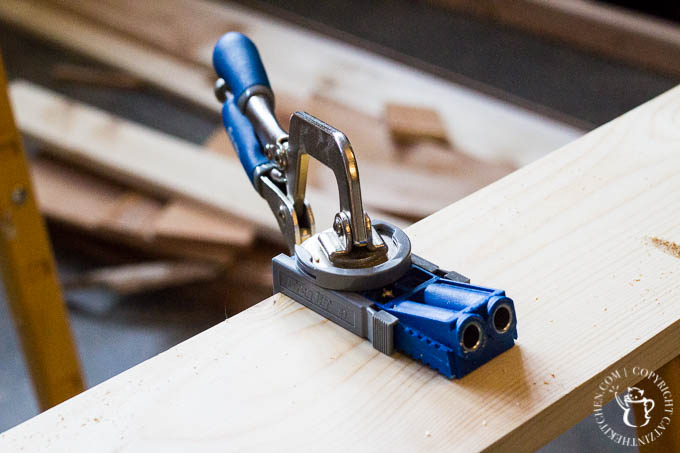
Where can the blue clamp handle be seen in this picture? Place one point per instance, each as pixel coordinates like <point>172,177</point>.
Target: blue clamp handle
<point>242,136</point>
<point>237,61</point>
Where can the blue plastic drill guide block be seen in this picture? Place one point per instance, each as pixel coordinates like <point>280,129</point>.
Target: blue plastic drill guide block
<point>452,327</point>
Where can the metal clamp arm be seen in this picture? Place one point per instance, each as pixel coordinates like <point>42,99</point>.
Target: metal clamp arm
<point>310,136</point>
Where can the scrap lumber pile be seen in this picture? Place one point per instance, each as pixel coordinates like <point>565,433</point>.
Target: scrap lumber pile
<point>189,210</point>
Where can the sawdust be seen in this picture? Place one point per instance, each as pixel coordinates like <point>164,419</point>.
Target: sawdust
<point>670,247</point>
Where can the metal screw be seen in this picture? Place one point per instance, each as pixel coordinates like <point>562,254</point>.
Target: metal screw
<point>19,196</point>
<point>221,90</point>
<point>337,225</point>
<point>269,150</point>
<point>282,213</point>
<point>276,176</point>
<point>281,157</point>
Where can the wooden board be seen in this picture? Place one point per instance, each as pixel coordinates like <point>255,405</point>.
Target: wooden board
<point>150,160</point>
<point>411,123</point>
<point>609,30</point>
<point>569,237</point>
<point>87,75</point>
<point>98,206</point>
<point>142,277</point>
<point>72,197</point>
<point>177,27</point>
<point>181,219</point>
<point>301,64</point>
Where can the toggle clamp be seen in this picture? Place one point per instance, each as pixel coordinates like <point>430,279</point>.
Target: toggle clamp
<point>360,273</point>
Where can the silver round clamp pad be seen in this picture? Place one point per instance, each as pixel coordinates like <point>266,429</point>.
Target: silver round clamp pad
<point>312,259</point>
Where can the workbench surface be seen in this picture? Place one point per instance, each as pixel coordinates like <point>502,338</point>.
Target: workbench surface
<point>584,241</point>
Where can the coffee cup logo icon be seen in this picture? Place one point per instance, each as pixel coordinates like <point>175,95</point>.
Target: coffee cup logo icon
<point>633,398</point>
<point>647,407</point>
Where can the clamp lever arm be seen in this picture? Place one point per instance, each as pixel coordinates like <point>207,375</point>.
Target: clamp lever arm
<point>277,164</point>
<point>261,144</point>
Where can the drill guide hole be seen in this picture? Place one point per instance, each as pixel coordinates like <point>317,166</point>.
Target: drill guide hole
<point>472,337</point>
<point>502,319</point>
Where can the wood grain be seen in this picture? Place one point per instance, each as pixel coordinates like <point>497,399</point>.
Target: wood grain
<point>565,236</point>
<point>180,219</point>
<point>95,205</point>
<point>71,197</point>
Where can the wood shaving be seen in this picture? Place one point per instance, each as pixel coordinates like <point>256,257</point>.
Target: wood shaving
<point>670,247</point>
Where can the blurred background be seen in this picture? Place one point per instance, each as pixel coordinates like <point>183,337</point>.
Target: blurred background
<point>449,94</point>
